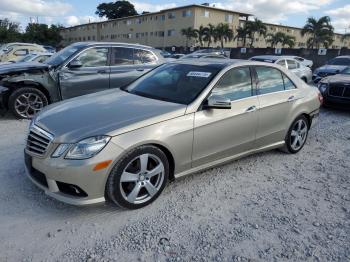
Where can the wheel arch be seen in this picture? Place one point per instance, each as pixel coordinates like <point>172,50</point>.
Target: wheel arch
<point>34,84</point>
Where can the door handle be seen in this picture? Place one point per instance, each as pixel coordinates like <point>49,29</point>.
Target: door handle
<point>251,109</point>
<point>140,69</point>
<point>291,99</point>
<point>101,71</point>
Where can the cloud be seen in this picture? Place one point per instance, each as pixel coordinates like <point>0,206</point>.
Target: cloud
<point>35,7</point>
<point>273,11</point>
<point>77,20</point>
<point>341,21</point>
<point>142,6</point>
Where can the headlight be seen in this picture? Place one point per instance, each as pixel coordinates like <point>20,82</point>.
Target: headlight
<point>323,87</point>
<point>88,147</point>
<point>60,150</point>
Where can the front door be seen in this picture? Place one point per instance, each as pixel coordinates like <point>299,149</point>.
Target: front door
<point>220,133</point>
<point>85,74</point>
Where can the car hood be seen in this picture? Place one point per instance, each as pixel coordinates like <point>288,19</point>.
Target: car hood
<point>340,78</point>
<point>111,112</point>
<point>24,66</point>
<point>330,69</point>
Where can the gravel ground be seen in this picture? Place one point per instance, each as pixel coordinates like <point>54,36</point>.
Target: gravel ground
<point>270,206</point>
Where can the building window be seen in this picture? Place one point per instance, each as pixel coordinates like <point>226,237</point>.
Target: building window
<point>205,13</point>
<point>187,13</point>
<point>171,15</point>
<point>228,18</point>
<point>129,36</point>
<point>161,33</point>
<point>162,17</point>
<point>138,21</point>
<point>128,22</point>
<point>171,32</point>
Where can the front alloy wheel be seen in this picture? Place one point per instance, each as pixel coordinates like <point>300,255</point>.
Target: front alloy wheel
<point>139,178</point>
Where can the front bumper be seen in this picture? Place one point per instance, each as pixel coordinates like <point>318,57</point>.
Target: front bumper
<point>72,181</point>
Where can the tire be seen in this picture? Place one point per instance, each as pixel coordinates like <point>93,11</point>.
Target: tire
<point>297,135</point>
<point>131,184</point>
<point>25,102</point>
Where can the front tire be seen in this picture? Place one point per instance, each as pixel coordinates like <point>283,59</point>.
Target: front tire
<point>138,178</point>
<point>26,102</point>
<point>297,135</point>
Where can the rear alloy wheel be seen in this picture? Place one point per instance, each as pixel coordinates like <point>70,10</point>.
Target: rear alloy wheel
<point>26,102</point>
<point>139,178</point>
<point>297,135</point>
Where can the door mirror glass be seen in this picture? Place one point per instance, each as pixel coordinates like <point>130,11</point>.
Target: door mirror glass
<point>219,102</point>
<point>75,64</point>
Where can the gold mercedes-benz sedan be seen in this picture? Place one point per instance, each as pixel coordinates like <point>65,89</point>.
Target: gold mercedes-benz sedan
<point>182,117</point>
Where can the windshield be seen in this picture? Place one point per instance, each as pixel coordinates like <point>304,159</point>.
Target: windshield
<point>339,61</point>
<point>26,58</point>
<point>176,83</point>
<point>62,55</point>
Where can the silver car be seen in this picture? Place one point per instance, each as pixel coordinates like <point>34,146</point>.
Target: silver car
<point>303,72</point>
<point>125,144</point>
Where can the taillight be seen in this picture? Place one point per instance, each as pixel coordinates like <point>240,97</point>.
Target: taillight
<point>320,98</point>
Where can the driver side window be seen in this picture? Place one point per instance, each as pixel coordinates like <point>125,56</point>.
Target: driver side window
<point>93,57</point>
<point>234,84</point>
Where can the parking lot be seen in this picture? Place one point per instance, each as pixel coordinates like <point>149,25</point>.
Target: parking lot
<point>270,206</point>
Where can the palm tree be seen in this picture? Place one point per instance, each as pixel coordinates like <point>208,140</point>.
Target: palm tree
<point>275,39</point>
<point>189,33</point>
<point>223,33</point>
<point>321,32</point>
<point>201,33</point>
<point>210,35</point>
<point>253,27</point>
<point>242,33</point>
<point>288,40</point>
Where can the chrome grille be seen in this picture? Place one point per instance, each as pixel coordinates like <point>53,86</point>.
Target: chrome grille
<point>38,140</point>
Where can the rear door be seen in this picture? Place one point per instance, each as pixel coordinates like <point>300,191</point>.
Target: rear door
<point>129,63</point>
<point>92,76</point>
<point>277,95</point>
<point>293,66</point>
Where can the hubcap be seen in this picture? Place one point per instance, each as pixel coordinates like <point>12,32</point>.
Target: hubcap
<point>28,104</point>
<point>142,178</point>
<point>298,134</point>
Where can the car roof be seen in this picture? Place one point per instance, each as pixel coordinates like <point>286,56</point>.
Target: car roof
<point>113,43</point>
<point>220,63</point>
<point>343,56</point>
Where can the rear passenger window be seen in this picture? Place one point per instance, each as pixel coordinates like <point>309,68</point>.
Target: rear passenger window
<point>270,80</point>
<point>288,84</point>
<point>291,64</point>
<point>143,57</point>
<point>122,56</point>
<point>234,84</point>
<point>282,63</point>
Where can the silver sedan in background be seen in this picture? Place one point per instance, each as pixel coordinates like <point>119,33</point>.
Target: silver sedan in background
<point>182,117</point>
<point>303,72</point>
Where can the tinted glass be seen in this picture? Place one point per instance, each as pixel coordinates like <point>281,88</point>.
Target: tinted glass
<point>234,84</point>
<point>282,63</point>
<point>288,84</point>
<point>339,61</point>
<point>270,80</point>
<point>93,57</point>
<point>143,57</point>
<point>26,58</point>
<point>177,83</point>
<point>122,56</point>
<point>62,55</point>
<point>291,64</point>
<point>346,71</point>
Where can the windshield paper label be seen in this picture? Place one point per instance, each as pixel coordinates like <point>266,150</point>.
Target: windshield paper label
<point>198,74</point>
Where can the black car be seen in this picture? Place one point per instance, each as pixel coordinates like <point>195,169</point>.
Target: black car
<point>333,67</point>
<point>335,89</point>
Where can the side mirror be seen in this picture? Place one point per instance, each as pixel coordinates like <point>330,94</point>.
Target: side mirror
<point>75,64</point>
<point>218,102</point>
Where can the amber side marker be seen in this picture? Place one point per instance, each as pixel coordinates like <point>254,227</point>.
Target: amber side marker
<point>102,165</point>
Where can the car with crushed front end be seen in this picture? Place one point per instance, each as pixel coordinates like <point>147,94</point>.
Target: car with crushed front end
<point>332,67</point>
<point>125,144</point>
<point>291,64</point>
<point>79,69</point>
<point>335,89</point>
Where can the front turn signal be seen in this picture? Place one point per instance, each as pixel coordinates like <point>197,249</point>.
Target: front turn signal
<point>102,165</point>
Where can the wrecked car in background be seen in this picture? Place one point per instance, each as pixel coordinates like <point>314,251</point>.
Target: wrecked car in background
<point>79,69</point>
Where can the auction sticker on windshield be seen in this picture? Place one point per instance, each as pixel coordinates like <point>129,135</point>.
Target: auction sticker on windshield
<point>199,74</point>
